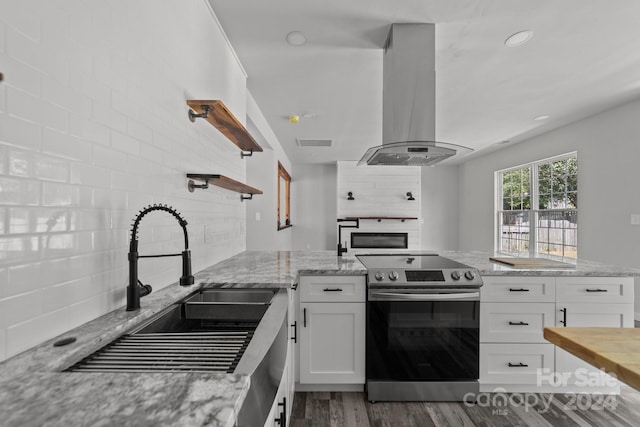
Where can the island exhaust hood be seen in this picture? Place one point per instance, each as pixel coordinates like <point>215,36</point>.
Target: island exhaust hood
<point>409,101</point>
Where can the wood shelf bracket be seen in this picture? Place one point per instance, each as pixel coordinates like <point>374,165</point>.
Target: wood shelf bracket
<point>222,182</point>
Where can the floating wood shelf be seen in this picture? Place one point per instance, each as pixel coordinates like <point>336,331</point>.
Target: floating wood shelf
<point>380,218</point>
<point>216,113</point>
<point>223,182</point>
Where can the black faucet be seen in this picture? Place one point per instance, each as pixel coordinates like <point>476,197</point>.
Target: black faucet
<point>342,250</point>
<point>136,289</point>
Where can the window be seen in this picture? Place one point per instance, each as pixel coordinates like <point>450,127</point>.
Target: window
<point>537,209</point>
<point>284,198</point>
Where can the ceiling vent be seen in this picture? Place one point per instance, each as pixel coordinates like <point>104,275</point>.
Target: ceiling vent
<point>314,142</point>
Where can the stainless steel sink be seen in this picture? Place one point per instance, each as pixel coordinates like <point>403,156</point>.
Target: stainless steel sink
<point>208,331</point>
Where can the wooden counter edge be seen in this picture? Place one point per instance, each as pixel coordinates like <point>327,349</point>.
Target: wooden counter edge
<point>629,374</point>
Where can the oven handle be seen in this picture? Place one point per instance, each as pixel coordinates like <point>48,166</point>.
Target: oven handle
<point>468,296</point>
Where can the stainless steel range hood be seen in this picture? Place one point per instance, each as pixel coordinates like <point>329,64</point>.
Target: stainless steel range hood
<point>409,98</point>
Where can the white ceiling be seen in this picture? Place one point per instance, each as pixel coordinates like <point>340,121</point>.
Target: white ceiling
<point>583,58</point>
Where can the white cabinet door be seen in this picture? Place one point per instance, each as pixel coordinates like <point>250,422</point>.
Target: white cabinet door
<point>278,415</point>
<point>331,343</point>
<point>594,315</point>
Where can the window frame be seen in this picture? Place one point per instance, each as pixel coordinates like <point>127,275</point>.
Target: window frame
<point>534,209</point>
<point>284,175</point>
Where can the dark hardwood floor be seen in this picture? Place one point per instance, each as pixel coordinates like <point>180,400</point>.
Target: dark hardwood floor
<point>339,409</point>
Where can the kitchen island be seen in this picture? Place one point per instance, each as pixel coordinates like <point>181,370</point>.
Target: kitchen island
<point>34,390</point>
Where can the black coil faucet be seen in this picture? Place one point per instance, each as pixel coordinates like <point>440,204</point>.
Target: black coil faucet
<point>136,289</point>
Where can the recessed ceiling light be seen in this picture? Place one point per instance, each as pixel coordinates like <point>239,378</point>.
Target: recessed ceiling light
<point>539,118</point>
<point>296,38</point>
<point>518,38</point>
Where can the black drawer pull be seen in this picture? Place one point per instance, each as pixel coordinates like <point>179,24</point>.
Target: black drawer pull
<point>519,323</point>
<point>304,317</point>
<point>519,365</point>
<point>332,289</point>
<point>597,290</point>
<point>282,419</point>
<point>564,316</point>
<point>294,338</point>
<point>518,290</point>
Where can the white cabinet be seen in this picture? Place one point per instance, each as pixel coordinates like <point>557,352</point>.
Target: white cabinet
<point>331,327</point>
<point>514,311</point>
<point>591,302</point>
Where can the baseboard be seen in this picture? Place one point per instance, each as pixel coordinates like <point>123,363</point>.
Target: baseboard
<point>329,387</point>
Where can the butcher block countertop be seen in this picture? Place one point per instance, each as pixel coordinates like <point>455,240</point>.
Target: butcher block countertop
<point>616,350</point>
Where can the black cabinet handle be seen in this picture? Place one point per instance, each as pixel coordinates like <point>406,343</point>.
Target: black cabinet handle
<point>519,323</point>
<point>332,289</point>
<point>282,420</point>
<point>295,331</point>
<point>519,365</point>
<point>597,290</point>
<point>518,290</point>
<point>304,317</point>
<point>564,316</point>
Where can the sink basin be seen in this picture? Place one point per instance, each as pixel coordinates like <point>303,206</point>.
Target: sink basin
<point>207,331</point>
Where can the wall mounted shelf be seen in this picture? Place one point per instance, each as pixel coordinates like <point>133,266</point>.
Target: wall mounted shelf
<point>380,218</point>
<point>223,182</point>
<point>217,114</point>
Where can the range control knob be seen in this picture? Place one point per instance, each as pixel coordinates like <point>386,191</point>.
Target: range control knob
<point>379,276</point>
<point>455,275</point>
<point>469,275</point>
<point>393,275</point>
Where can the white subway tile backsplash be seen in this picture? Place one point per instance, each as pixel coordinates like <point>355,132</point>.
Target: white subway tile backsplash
<point>21,132</point>
<point>52,169</point>
<point>19,308</point>
<point>109,117</point>
<point>21,163</point>
<point>89,130</point>
<point>24,335</point>
<point>21,76</point>
<point>23,105</point>
<point>55,117</point>
<point>55,194</point>
<point>64,145</point>
<point>24,19</point>
<point>23,48</point>
<point>96,129</point>
<point>125,143</point>
<point>17,191</point>
<point>90,175</point>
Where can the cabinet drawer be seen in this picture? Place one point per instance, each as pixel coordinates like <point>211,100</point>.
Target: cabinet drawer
<point>519,322</point>
<point>332,288</point>
<point>594,289</point>
<point>514,364</point>
<point>518,289</point>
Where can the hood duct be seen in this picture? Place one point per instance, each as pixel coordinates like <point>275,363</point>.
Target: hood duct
<point>409,101</point>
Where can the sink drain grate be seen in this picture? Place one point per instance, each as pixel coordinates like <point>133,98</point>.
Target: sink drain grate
<point>218,351</point>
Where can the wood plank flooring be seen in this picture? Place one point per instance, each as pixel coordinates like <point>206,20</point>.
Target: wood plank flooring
<point>341,409</point>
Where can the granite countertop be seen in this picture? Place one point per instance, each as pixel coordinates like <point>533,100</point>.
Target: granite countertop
<point>33,390</point>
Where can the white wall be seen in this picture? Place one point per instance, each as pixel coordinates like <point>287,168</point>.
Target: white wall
<point>439,208</point>
<point>313,205</point>
<point>262,173</point>
<point>608,178</point>
<point>93,127</point>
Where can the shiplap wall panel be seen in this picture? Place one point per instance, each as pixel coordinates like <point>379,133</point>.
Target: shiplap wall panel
<point>380,191</point>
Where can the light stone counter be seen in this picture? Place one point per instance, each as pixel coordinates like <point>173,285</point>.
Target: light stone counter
<point>34,391</point>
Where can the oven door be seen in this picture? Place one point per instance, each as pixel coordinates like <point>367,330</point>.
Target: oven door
<point>418,335</point>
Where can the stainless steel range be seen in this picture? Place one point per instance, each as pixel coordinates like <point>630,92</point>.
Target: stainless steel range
<point>423,327</point>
